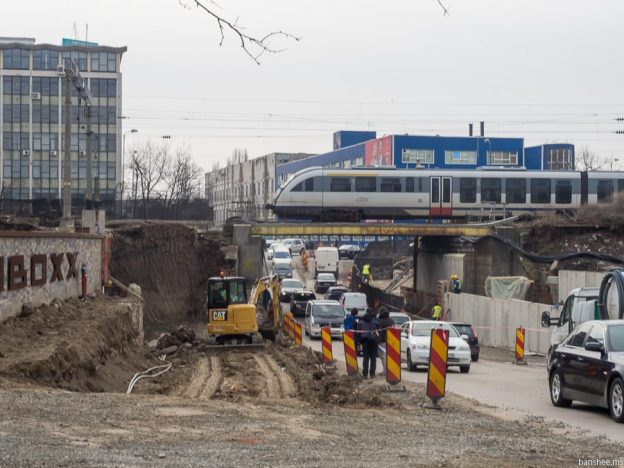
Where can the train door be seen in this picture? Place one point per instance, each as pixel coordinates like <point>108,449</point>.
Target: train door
<point>440,196</point>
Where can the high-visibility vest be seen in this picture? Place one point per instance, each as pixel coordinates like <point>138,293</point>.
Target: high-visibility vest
<point>436,311</point>
<point>366,269</point>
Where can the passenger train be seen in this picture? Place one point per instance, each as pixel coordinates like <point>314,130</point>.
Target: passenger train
<point>358,194</point>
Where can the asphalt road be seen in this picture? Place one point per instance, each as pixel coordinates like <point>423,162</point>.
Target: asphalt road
<point>515,391</point>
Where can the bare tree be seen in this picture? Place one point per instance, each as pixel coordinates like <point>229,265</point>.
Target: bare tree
<point>182,181</point>
<point>147,164</point>
<point>588,161</point>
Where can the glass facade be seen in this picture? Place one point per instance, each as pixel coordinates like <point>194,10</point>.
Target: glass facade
<point>32,121</point>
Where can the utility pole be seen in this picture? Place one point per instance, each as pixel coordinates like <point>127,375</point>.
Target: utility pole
<point>67,177</point>
<point>89,193</point>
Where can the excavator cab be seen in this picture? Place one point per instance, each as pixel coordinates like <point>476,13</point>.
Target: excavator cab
<point>231,319</point>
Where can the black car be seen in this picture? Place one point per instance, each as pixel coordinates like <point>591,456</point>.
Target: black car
<point>324,281</point>
<point>334,292</point>
<point>348,251</point>
<point>473,339</point>
<point>588,366</point>
<point>288,287</point>
<point>299,300</point>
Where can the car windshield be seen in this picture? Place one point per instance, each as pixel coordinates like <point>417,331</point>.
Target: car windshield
<point>616,337</point>
<point>282,267</point>
<point>464,329</point>
<point>291,283</point>
<point>307,296</point>
<point>325,277</point>
<point>424,329</point>
<point>328,310</point>
<point>282,255</point>
<point>288,242</point>
<point>399,319</point>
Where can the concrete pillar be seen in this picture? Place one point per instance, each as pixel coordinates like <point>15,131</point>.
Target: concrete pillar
<point>250,253</point>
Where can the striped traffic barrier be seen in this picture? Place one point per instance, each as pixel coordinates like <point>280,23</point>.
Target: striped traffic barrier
<point>291,327</point>
<point>288,325</point>
<point>298,334</point>
<point>326,345</point>
<point>393,356</point>
<point>348,338</point>
<point>436,376</point>
<point>520,335</point>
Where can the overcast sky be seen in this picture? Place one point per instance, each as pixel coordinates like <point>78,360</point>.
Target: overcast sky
<point>547,71</point>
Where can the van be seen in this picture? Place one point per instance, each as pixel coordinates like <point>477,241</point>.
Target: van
<point>350,300</point>
<point>319,314</point>
<point>326,260</point>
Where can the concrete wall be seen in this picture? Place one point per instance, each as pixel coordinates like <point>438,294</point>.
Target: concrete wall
<point>496,320</point>
<point>569,280</point>
<point>23,256</point>
<point>432,267</point>
<point>250,253</point>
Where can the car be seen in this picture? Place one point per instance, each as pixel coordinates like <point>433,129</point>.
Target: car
<point>334,292</point>
<point>469,334</point>
<point>399,318</point>
<point>324,281</point>
<point>282,268</point>
<point>271,249</point>
<point>348,251</point>
<point>288,287</point>
<point>588,366</point>
<point>351,300</point>
<point>299,300</point>
<point>295,246</point>
<point>321,313</point>
<point>281,253</point>
<point>416,339</point>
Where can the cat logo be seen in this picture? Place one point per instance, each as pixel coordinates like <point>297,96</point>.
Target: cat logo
<point>219,315</point>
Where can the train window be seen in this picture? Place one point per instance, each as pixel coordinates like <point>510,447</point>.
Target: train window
<point>435,190</point>
<point>309,184</point>
<point>563,192</point>
<point>392,184</point>
<point>467,190</point>
<point>297,188</point>
<point>491,190</point>
<point>409,184</point>
<point>340,184</point>
<point>540,190</point>
<point>365,184</point>
<point>605,191</point>
<point>515,190</point>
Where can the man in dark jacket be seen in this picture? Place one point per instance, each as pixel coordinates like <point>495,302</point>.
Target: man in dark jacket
<point>368,326</point>
<point>384,322</point>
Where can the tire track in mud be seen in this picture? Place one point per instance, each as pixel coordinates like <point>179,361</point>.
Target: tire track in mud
<point>206,380</point>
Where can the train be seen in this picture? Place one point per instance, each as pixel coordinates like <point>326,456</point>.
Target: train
<point>374,193</point>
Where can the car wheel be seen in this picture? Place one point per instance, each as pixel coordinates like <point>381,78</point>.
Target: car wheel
<point>464,369</point>
<point>556,390</point>
<point>474,357</point>
<point>616,400</point>
<point>410,365</point>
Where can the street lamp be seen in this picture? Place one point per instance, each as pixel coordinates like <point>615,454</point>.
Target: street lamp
<point>123,167</point>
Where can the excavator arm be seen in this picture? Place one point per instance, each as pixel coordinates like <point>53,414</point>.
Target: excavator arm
<point>268,317</point>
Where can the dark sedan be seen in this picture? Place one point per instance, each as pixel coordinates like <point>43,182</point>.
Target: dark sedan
<point>324,281</point>
<point>334,293</point>
<point>348,251</point>
<point>472,340</point>
<point>588,366</point>
<point>299,301</point>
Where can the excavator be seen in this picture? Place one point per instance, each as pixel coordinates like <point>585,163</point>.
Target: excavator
<point>235,320</point>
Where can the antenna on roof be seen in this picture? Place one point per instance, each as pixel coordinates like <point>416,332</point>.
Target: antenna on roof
<point>87,33</point>
<point>75,31</point>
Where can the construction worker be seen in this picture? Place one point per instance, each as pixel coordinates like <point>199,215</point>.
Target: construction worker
<point>436,312</point>
<point>366,275</point>
<point>455,284</point>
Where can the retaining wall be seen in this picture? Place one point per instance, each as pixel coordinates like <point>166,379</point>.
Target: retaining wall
<point>36,267</point>
<point>569,280</point>
<point>496,320</point>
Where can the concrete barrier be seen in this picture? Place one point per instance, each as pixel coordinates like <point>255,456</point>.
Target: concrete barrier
<point>569,280</point>
<point>496,320</point>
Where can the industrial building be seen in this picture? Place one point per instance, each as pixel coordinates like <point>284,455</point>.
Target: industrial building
<point>31,121</point>
<point>357,149</point>
<point>244,188</point>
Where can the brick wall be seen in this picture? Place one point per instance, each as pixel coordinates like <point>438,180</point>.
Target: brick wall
<point>37,267</point>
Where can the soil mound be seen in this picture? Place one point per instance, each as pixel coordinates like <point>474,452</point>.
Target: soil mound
<point>171,263</point>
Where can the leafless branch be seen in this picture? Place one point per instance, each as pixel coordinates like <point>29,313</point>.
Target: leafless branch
<point>253,46</point>
<point>444,8</point>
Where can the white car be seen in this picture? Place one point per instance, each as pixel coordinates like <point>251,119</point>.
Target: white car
<point>272,248</point>
<point>282,254</point>
<point>416,338</point>
<point>399,318</point>
<point>294,245</point>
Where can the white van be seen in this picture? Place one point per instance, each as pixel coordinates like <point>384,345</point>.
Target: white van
<point>326,260</point>
<point>350,300</point>
<point>282,254</point>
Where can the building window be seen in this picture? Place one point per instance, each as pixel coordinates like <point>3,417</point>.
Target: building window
<point>540,190</point>
<point>347,164</point>
<point>103,61</point>
<point>502,158</point>
<point>467,190</point>
<point>563,192</point>
<point>80,58</point>
<point>515,190</point>
<point>359,162</point>
<point>392,184</point>
<point>560,159</point>
<point>16,59</point>
<point>340,184</point>
<point>418,156</point>
<point>491,190</point>
<point>365,184</point>
<point>460,157</point>
<point>605,191</point>
<point>45,59</point>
